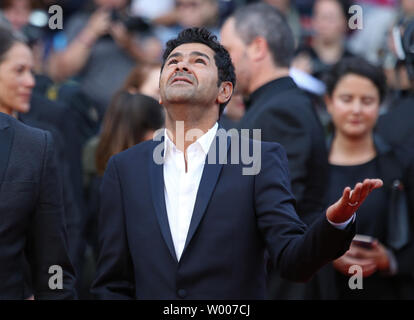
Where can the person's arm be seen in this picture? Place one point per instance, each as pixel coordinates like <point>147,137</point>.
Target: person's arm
<point>298,253</point>
<point>67,63</point>
<point>46,247</point>
<point>285,126</point>
<point>114,274</point>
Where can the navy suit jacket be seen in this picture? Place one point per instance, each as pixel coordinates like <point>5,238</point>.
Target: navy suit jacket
<point>31,213</point>
<point>235,218</point>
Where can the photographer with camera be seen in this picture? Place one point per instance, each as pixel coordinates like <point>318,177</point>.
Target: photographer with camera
<point>100,48</point>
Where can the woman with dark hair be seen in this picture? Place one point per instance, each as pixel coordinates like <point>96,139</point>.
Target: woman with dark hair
<point>144,79</point>
<point>16,79</point>
<point>384,248</point>
<point>130,119</point>
<point>33,236</point>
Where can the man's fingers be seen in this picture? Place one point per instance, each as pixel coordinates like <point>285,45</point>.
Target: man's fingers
<point>346,194</point>
<point>356,193</point>
<point>367,186</point>
<point>374,184</point>
<point>351,200</point>
<point>362,190</point>
<point>378,183</point>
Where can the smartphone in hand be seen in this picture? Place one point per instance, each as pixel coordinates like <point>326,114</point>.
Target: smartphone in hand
<point>363,241</point>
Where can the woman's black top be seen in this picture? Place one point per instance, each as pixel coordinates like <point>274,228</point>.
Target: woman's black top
<point>371,220</point>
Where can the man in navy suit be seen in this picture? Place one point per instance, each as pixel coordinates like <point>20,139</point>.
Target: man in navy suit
<point>32,226</point>
<point>187,228</point>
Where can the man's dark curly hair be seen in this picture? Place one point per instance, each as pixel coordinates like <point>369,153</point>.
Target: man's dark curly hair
<point>221,57</point>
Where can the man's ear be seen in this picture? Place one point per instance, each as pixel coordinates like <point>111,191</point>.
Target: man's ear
<point>225,92</point>
<point>258,49</point>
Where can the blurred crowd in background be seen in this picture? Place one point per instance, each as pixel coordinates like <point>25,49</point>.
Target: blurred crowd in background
<point>96,90</point>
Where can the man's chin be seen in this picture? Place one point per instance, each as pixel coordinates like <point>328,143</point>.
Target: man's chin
<point>180,97</point>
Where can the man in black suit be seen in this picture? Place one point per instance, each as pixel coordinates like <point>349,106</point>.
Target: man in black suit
<point>261,46</point>
<point>396,126</point>
<point>182,217</point>
<point>31,215</point>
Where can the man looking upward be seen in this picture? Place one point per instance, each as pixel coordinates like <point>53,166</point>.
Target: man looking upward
<point>191,229</point>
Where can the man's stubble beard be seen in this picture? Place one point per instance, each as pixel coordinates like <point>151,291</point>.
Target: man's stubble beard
<point>180,96</point>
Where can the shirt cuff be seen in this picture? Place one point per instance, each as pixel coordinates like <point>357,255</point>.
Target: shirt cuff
<point>343,225</point>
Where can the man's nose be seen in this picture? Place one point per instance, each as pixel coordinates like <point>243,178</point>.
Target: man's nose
<point>182,66</point>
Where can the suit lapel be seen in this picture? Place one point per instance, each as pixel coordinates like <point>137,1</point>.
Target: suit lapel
<point>158,198</point>
<point>6,139</point>
<point>207,185</point>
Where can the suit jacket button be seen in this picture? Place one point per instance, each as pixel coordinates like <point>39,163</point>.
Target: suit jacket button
<point>182,293</point>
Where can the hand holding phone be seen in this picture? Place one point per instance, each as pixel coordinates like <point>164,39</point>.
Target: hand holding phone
<point>363,241</point>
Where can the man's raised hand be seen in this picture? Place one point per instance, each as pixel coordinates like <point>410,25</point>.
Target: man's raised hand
<point>351,200</point>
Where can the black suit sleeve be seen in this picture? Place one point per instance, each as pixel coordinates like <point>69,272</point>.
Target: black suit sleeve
<point>47,239</point>
<point>115,275</point>
<point>285,125</point>
<point>296,251</point>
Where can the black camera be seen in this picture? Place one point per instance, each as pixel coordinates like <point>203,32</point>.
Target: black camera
<point>131,23</point>
<point>36,27</point>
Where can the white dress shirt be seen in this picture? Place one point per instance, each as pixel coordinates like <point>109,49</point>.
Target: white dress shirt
<point>181,187</point>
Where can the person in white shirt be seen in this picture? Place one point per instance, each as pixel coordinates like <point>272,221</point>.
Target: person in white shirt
<point>176,225</point>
